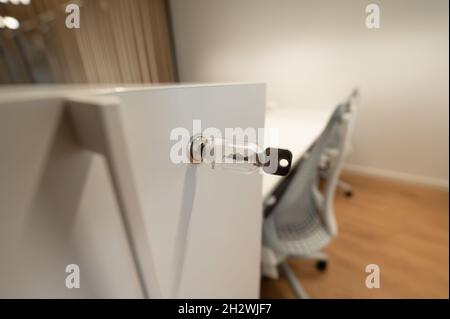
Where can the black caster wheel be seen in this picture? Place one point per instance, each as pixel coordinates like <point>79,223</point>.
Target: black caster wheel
<point>349,194</point>
<point>322,265</point>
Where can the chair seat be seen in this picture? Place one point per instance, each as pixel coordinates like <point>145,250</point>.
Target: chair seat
<point>302,239</point>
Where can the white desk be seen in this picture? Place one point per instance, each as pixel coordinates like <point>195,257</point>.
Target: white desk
<point>297,130</point>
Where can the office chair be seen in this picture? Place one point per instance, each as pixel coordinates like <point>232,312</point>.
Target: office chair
<point>333,146</point>
<point>300,221</point>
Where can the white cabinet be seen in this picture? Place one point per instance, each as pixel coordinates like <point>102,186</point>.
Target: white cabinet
<point>200,229</point>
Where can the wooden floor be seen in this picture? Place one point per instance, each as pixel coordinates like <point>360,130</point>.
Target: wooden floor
<point>403,228</point>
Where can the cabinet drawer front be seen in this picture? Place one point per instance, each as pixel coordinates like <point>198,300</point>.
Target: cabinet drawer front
<point>203,225</point>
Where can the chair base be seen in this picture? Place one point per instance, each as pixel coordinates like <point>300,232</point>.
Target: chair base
<point>345,188</point>
<point>322,265</point>
<point>296,287</point>
<point>294,283</point>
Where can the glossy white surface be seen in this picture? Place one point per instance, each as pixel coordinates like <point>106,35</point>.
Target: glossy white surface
<point>203,225</point>
<point>57,205</point>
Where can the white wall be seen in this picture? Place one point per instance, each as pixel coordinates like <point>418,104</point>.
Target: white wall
<point>311,53</point>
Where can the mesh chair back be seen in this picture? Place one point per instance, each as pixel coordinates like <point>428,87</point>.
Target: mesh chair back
<point>302,220</point>
<point>302,199</point>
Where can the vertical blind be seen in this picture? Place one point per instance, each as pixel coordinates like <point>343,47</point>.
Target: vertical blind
<point>119,41</point>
